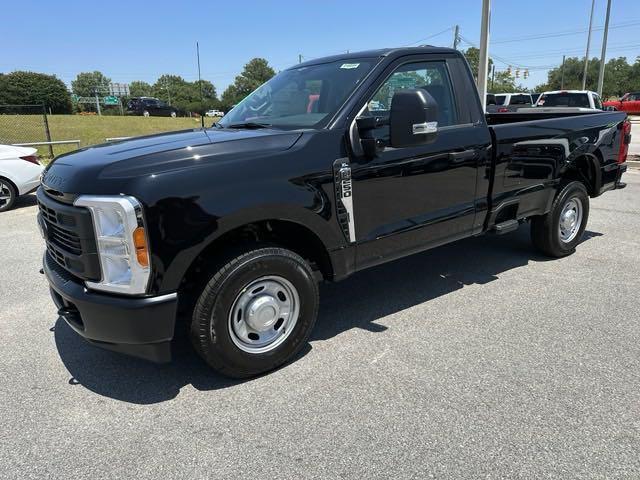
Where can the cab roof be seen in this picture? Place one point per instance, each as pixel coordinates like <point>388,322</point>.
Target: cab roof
<point>379,53</point>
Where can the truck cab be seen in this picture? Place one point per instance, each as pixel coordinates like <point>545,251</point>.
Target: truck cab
<point>629,103</point>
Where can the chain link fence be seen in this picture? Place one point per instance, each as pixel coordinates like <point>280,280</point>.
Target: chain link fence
<point>25,124</point>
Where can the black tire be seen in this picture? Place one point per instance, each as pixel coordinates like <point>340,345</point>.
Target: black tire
<point>210,326</point>
<point>7,189</point>
<point>545,229</point>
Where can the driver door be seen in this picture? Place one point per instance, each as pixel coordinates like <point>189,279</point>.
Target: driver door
<point>412,198</point>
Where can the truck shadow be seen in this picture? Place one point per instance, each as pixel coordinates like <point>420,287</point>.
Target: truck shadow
<point>25,201</point>
<point>354,303</point>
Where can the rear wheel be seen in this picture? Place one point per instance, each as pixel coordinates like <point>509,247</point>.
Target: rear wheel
<point>256,312</point>
<point>8,195</point>
<point>174,114</point>
<point>558,232</point>
<point>146,113</point>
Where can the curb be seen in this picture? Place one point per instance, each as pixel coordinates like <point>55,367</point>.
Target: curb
<point>634,163</point>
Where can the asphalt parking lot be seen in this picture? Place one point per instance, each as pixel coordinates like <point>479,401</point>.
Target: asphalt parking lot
<point>478,359</point>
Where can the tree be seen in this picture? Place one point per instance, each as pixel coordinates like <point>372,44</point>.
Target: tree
<point>255,73</point>
<point>502,81</point>
<point>619,76</point>
<point>31,88</point>
<point>139,89</point>
<point>184,95</point>
<point>87,83</point>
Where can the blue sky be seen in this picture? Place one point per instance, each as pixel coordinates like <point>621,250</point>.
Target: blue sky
<point>141,40</point>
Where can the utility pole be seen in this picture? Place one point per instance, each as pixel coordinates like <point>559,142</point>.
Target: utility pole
<point>493,75</point>
<point>604,49</point>
<point>586,55</point>
<point>456,39</point>
<point>562,75</point>
<point>95,91</point>
<point>483,64</point>
<point>299,58</point>
<point>166,85</point>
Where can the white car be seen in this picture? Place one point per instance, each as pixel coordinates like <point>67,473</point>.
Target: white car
<point>571,99</point>
<point>20,171</point>
<point>214,113</point>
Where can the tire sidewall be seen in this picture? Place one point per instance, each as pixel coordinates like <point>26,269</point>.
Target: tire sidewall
<point>12,200</point>
<point>573,190</point>
<point>212,314</point>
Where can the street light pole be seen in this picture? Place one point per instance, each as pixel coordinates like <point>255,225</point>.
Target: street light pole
<point>483,64</point>
<point>604,49</point>
<point>562,75</point>
<point>586,55</point>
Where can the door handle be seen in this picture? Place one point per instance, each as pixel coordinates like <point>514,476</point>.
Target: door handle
<point>461,157</point>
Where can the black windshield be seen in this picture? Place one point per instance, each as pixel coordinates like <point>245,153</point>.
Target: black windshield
<point>300,97</point>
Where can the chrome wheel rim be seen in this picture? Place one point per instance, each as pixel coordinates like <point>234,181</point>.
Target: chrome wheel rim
<point>570,220</point>
<point>5,194</point>
<point>264,314</point>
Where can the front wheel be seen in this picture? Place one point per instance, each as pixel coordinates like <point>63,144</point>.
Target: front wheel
<point>559,231</point>
<point>256,312</point>
<point>145,113</point>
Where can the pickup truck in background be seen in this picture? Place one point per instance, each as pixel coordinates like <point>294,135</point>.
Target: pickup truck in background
<point>629,103</point>
<point>570,99</point>
<point>508,102</point>
<point>332,166</point>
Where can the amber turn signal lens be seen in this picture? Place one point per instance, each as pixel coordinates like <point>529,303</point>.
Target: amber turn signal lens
<point>140,242</point>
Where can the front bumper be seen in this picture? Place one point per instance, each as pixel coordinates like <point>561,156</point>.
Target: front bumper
<point>142,327</point>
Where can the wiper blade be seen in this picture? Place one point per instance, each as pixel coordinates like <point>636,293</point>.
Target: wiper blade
<point>249,125</point>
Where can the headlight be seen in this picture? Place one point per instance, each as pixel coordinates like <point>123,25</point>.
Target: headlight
<point>122,243</point>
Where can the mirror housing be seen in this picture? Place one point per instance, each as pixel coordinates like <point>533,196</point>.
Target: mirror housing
<point>366,125</point>
<point>413,119</point>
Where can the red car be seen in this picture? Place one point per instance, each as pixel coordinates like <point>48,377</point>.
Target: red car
<point>630,103</point>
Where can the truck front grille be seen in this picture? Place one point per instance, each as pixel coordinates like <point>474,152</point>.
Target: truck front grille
<point>69,236</point>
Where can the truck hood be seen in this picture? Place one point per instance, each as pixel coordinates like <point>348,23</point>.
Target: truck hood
<point>78,171</point>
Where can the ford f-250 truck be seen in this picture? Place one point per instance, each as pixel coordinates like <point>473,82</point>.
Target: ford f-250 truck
<point>332,166</point>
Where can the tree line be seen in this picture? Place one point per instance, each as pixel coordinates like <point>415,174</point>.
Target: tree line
<point>620,77</point>
<point>30,88</point>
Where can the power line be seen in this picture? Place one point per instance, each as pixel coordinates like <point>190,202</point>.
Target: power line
<point>430,36</point>
<point>564,33</point>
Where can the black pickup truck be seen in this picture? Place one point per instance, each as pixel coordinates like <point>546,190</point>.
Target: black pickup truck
<point>332,166</point>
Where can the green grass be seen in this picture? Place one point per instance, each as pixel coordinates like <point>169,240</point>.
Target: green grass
<point>90,130</point>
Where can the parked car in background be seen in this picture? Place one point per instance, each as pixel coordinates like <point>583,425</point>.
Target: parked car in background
<point>20,171</point>
<point>570,98</point>
<point>150,107</point>
<point>630,103</point>
<point>214,113</point>
<point>509,102</point>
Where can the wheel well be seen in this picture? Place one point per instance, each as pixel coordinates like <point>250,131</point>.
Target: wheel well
<point>286,234</point>
<point>584,171</point>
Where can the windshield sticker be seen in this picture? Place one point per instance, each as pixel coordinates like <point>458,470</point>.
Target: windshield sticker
<point>349,66</point>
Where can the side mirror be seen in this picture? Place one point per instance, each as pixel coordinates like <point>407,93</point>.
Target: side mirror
<point>413,119</point>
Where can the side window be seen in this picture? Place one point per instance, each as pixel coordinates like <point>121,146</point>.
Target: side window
<point>430,76</point>
<point>520,99</point>
<point>597,103</point>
